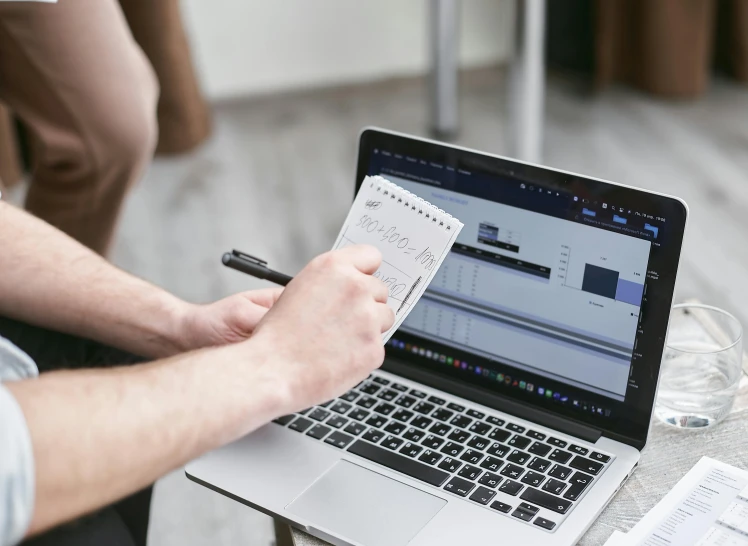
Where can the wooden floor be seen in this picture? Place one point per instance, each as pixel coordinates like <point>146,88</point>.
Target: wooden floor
<point>276,180</point>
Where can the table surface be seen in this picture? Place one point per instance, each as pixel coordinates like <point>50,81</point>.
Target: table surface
<point>669,454</point>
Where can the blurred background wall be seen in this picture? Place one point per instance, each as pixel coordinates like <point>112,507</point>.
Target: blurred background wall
<point>296,44</point>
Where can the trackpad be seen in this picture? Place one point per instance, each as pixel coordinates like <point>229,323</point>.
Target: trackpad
<point>365,507</point>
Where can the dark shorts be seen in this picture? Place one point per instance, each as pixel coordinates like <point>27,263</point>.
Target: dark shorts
<point>126,522</point>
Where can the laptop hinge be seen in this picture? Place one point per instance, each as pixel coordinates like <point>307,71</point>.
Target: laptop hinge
<point>495,401</point>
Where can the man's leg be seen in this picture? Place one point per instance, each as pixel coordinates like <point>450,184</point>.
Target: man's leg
<point>126,522</point>
<point>73,73</point>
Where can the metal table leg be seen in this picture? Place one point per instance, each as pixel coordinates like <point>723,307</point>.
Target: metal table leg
<point>443,85</point>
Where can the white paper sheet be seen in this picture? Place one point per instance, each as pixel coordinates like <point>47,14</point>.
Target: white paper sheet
<point>707,507</point>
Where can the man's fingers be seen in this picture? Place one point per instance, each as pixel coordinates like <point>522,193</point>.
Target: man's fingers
<point>388,317</point>
<point>365,258</point>
<point>379,290</point>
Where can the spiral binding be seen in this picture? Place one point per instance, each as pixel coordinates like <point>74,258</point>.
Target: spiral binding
<point>411,200</point>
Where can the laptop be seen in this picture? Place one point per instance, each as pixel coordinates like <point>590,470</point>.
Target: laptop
<point>515,399</point>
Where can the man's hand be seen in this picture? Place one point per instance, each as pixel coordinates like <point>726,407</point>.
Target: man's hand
<point>324,334</point>
<point>229,320</point>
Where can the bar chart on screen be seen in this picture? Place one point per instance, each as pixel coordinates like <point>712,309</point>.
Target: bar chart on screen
<point>615,277</point>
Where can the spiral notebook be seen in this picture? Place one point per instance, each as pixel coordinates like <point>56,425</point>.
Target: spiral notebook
<point>413,235</point>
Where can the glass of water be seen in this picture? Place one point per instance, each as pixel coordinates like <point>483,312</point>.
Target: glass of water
<point>701,368</point>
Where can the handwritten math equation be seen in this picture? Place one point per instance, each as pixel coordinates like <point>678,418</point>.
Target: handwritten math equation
<point>391,235</point>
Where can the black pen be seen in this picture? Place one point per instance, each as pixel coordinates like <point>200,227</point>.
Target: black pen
<point>253,266</point>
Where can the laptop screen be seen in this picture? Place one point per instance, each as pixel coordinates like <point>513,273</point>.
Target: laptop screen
<point>543,295</point>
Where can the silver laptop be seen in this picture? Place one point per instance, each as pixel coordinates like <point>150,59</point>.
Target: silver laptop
<point>515,399</point>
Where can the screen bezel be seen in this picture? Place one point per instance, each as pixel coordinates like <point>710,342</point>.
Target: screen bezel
<point>634,428</point>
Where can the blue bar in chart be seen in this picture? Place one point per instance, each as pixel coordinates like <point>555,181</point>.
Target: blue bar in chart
<point>600,281</point>
<point>629,292</point>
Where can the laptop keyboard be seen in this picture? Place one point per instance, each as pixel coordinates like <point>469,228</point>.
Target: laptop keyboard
<point>512,469</point>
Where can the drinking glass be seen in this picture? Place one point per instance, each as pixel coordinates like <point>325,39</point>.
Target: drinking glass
<point>701,367</point>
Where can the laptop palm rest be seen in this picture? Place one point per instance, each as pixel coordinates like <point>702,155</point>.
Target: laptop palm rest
<point>365,507</point>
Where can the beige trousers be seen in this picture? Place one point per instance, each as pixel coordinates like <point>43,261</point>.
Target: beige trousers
<point>82,87</point>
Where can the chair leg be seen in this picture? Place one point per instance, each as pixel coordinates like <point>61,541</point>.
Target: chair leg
<point>282,534</point>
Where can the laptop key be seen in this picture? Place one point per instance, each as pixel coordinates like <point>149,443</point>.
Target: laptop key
<point>399,387</point>
<point>417,393</point>
<point>511,488</point>
<point>369,388</point>
<point>373,435</point>
<point>340,407</point>
<point>538,464</point>
<point>350,396</point>
<point>436,400</point>
<point>421,422</point>
<point>366,402</point>
<point>525,512</point>
<point>545,500</point>
<point>492,463</point>
<point>411,450</point>
<point>358,414</point>
<point>402,415</point>
<point>475,414</point>
<point>554,486</point>
<point>414,434</point>
<point>586,465</point>
<point>520,442</point>
<point>456,407</point>
<point>430,457</point>
<point>440,428</point>
<point>499,435</point>
<point>405,401</point>
<point>318,414</point>
<point>301,424</point>
<point>544,523</point>
<point>559,456</point>
<point>442,414</point>
<point>423,407</point>
<point>501,507</point>
<point>355,428</point>
<point>459,436</point>
<point>460,487</point>
<point>452,449</point>
<point>579,449</point>
<point>535,434</point>
<point>432,441</point>
<point>556,442</point>
<point>284,419</point>
<point>381,380</point>
<point>304,411</point>
<point>450,465</point>
<point>339,439</point>
<point>391,442</point>
<point>482,495</point>
<point>388,395</point>
<point>480,428</point>
<point>560,472</point>
<point>384,408</point>
<point>497,449</point>
<point>495,421</point>
<point>533,478</point>
<point>471,456</point>
<point>470,472</point>
<point>376,421</point>
<point>394,427</point>
<point>399,463</point>
<point>579,482</point>
<point>489,479</point>
<point>595,456</point>
<point>519,457</point>
<point>515,428</point>
<point>318,431</point>
<point>513,471</point>
<point>461,421</point>
<point>539,449</point>
<point>478,443</point>
<point>336,421</point>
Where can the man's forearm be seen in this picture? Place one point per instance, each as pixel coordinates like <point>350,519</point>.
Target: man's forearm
<point>100,435</point>
<point>50,280</point>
